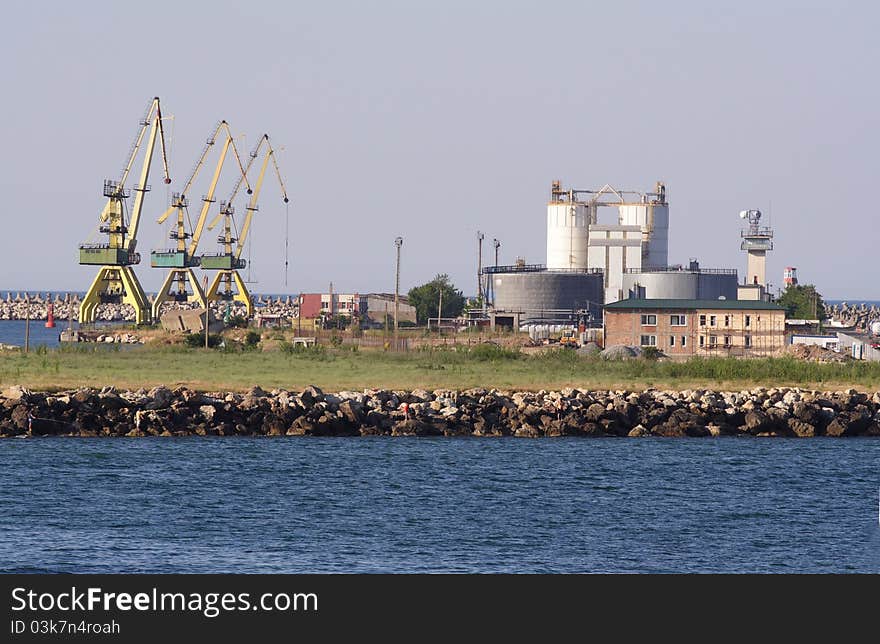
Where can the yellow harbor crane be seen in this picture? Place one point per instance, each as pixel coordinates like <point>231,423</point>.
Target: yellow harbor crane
<point>228,262</point>
<point>116,281</point>
<point>183,258</point>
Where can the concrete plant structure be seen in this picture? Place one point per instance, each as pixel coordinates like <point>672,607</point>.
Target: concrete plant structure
<point>577,240</point>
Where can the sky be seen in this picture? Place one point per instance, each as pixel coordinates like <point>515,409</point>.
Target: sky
<point>435,120</point>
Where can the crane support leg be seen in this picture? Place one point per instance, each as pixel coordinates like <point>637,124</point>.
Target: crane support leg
<point>116,284</point>
<point>180,276</point>
<point>240,294</point>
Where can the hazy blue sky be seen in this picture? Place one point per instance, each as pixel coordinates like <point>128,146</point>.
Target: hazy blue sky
<point>431,120</point>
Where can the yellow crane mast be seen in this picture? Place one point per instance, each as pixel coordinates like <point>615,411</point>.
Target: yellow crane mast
<point>181,259</point>
<point>116,281</point>
<point>228,262</point>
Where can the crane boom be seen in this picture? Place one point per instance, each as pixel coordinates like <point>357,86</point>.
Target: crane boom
<point>200,224</point>
<point>255,194</point>
<point>227,208</point>
<point>252,204</point>
<point>209,198</point>
<point>180,201</point>
<point>154,106</point>
<point>142,188</point>
<point>254,153</point>
<point>145,123</point>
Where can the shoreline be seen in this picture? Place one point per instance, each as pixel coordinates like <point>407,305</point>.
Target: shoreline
<point>763,412</point>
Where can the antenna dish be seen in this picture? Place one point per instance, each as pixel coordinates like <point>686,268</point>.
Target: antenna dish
<point>743,214</point>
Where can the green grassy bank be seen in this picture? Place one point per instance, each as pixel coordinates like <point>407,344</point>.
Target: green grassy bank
<point>341,368</point>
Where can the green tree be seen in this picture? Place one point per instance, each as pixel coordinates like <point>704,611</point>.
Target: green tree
<point>426,298</point>
<point>802,301</point>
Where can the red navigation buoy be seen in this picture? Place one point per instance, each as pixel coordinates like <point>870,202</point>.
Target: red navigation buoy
<point>50,316</point>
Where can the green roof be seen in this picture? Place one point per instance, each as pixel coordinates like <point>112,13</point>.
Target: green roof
<point>750,305</point>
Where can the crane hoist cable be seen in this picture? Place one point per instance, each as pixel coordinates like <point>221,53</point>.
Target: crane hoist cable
<point>286,238</point>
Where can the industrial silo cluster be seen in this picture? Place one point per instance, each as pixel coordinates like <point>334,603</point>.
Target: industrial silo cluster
<point>591,262</point>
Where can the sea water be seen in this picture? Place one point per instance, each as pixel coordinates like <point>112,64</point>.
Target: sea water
<point>439,505</point>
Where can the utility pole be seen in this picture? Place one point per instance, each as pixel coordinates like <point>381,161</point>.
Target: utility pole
<point>480,237</point>
<point>440,310</point>
<point>398,242</point>
<point>207,309</point>
<point>490,286</point>
<point>27,321</point>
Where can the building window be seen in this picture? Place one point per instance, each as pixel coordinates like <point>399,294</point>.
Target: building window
<point>726,341</point>
<point>713,341</point>
<point>671,340</point>
<point>684,340</point>
<point>702,340</point>
<point>711,320</point>
<point>726,320</point>
<point>702,320</point>
<point>649,320</point>
<point>748,320</point>
<point>649,340</point>
<point>677,320</point>
<point>748,340</point>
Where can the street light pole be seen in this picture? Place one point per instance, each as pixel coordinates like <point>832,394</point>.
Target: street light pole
<point>398,242</point>
<point>480,237</point>
<point>207,309</point>
<point>490,286</point>
<point>27,322</point>
<point>440,310</point>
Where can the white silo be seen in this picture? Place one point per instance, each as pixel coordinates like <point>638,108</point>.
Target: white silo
<point>567,235</point>
<point>652,216</point>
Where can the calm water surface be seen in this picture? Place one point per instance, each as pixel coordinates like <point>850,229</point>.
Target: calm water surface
<point>457,505</point>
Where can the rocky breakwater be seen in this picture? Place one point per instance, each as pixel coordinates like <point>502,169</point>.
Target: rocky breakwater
<point>36,307</point>
<point>474,412</point>
<point>859,316</point>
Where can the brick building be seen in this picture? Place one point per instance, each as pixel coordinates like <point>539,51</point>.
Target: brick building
<point>313,305</point>
<point>372,306</point>
<point>697,327</point>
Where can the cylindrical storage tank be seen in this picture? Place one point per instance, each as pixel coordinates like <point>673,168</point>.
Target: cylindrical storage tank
<point>548,291</point>
<point>567,235</point>
<point>680,285</point>
<point>677,285</point>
